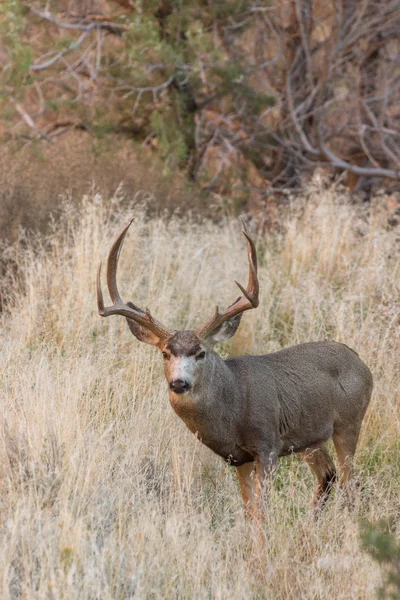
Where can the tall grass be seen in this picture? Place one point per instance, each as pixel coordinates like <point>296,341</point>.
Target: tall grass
<point>103,491</point>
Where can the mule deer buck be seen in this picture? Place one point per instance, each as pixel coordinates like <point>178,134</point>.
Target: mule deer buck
<point>253,409</point>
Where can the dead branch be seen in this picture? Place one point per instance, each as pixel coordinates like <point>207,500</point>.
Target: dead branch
<point>54,59</point>
<point>339,163</point>
<point>95,22</point>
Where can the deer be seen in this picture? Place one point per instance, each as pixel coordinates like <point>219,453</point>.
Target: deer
<point>251,410</point>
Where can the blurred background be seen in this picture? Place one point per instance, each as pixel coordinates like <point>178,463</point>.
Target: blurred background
<point>203,106</point>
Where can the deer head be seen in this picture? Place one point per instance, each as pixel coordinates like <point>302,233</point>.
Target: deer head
<point>185,353</point>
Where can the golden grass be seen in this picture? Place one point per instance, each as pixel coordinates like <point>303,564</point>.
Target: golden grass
<point>103,491</point>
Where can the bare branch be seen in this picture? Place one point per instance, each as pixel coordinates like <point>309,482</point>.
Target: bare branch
<point>29,121</point>
<point>305,141</point>
<point>52,61</point>
<point>343,164</point>
<point>154,89</point>
<point>94,24</point>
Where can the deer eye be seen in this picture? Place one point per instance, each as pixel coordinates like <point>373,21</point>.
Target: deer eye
<point>165,355</point>
<point>200,355</point>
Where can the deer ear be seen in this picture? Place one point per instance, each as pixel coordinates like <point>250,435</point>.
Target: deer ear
<point>227,330</point>
<point>142,334</point>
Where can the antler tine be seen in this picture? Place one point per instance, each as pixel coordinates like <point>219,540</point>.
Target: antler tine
<point>249,299</point>
<point>112,265</point>
<point>253,287</point>
<point>100,301</point>
<point>143,318</point>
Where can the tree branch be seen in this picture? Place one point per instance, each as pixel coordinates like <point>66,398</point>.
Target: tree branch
<point>54,59</point>
<point>116,28</point>
<point>363,171</point>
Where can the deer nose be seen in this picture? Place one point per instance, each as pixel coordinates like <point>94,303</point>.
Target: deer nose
<point>179,386</point>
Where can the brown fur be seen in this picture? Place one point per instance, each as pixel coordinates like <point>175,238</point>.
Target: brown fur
<point>184,343</point>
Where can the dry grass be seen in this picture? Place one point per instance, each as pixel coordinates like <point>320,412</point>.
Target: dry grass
<point>103,491</point>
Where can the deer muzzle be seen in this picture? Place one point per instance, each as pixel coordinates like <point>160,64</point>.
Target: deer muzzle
<point>179,386</point>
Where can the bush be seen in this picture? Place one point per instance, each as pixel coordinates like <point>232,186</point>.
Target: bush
<point>381,543</point>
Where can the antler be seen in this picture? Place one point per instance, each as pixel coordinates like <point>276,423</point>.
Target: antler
<point>246,302</point>
<point>143,318</point>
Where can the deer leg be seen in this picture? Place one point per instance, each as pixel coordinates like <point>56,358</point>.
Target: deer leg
<point>265,470</point>
<point>318,459</point>
<point>345,443</point>
<point>247,481</point>
<point>255,486</point>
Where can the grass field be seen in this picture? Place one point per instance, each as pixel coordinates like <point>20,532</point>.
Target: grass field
<point>103,492</point>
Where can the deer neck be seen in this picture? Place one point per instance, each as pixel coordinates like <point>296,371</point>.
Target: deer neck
<point>213,399</point>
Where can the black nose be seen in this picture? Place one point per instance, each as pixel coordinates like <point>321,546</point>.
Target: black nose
<point>179,386</point>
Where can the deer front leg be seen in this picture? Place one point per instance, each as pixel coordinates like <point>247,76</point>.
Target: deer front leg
<point>265,470</point>
<point>255,483</point>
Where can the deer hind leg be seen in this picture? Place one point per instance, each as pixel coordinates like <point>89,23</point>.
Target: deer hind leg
<point>247,481</point>
<point>345,442</point>
<point>319,460</point>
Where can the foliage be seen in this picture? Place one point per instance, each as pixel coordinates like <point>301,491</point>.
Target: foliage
<point>12,25</point>
<point>237,94</point>
<point>383,545</point>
